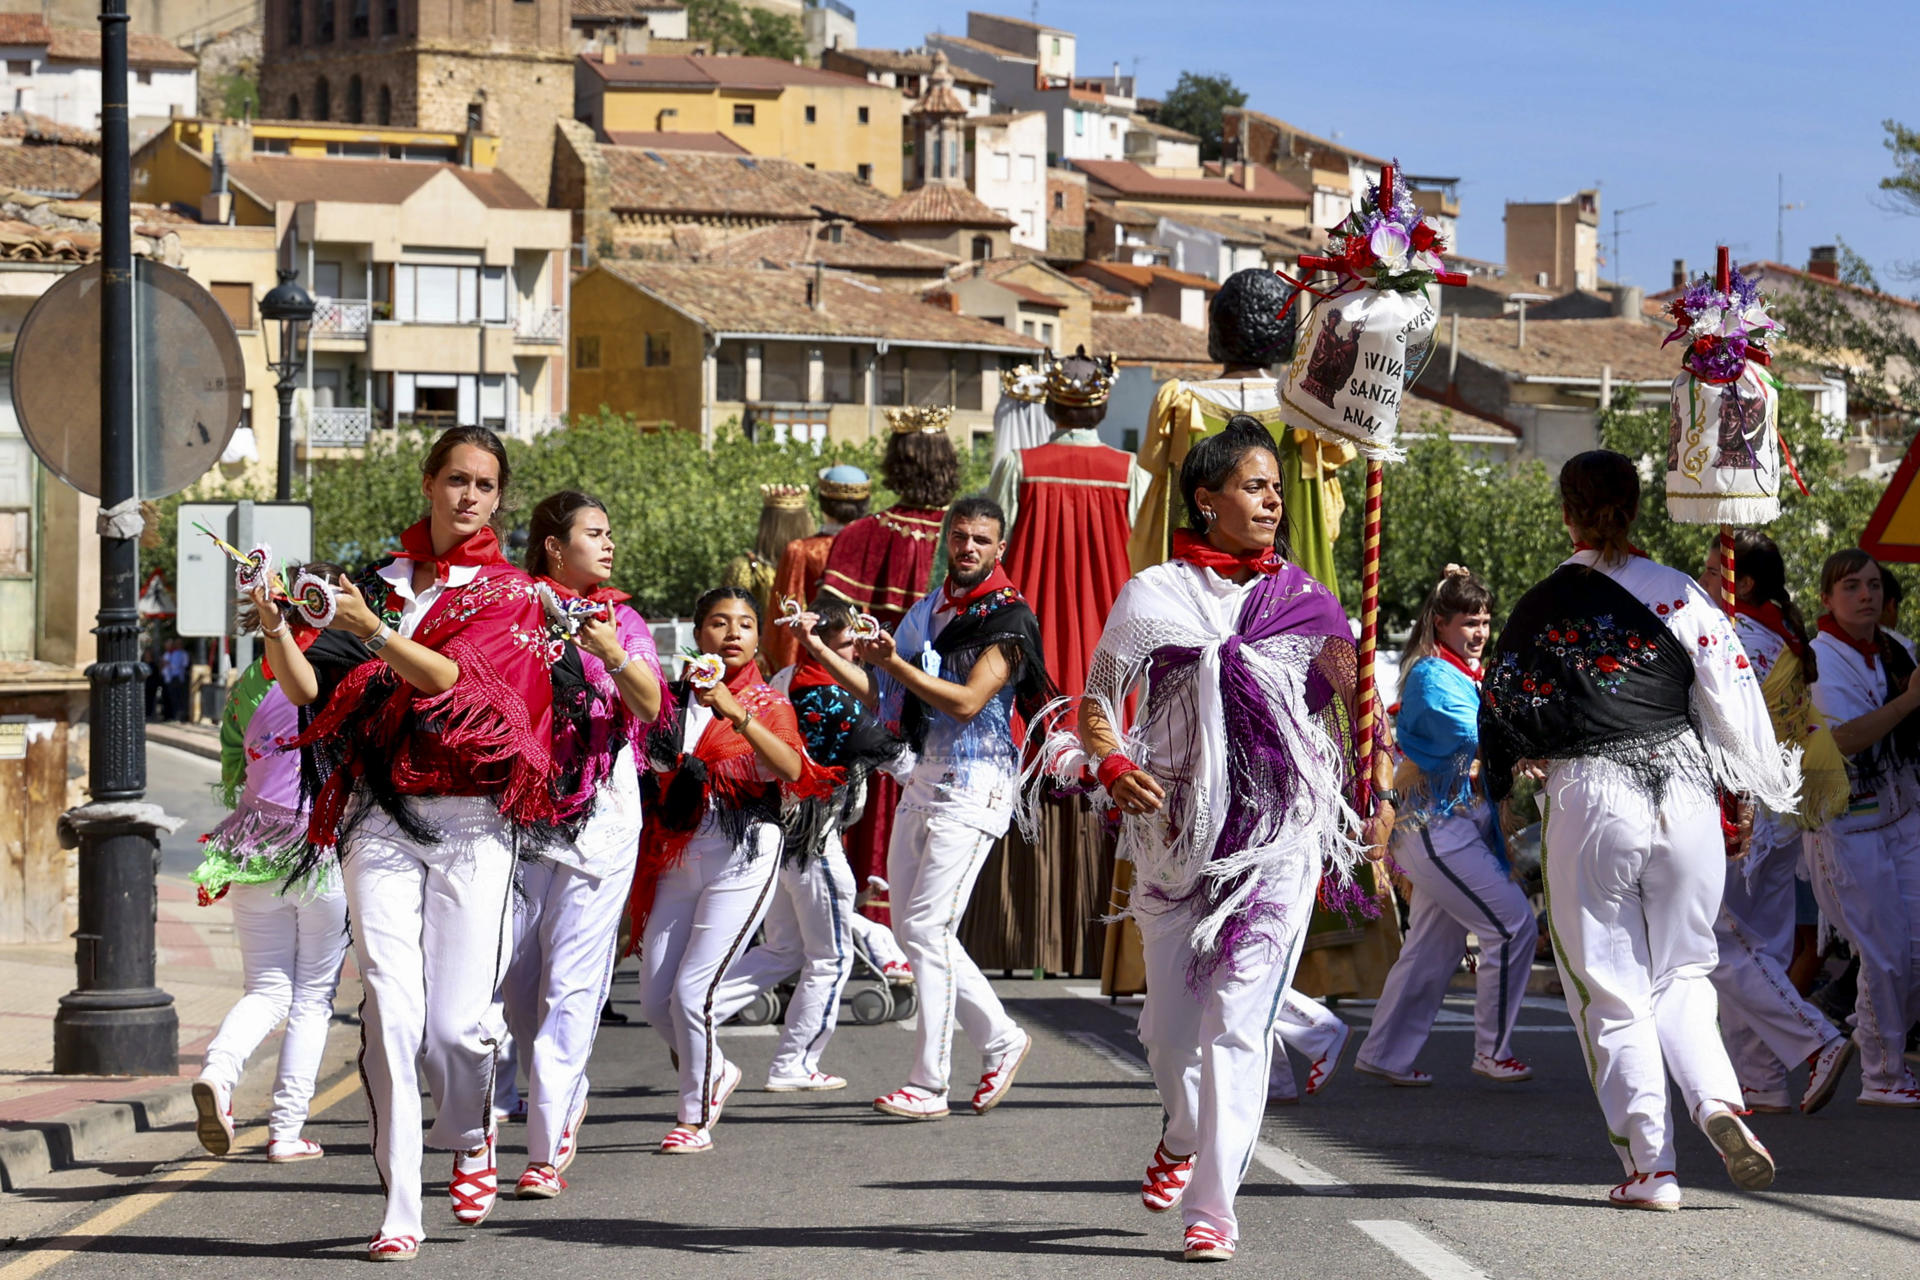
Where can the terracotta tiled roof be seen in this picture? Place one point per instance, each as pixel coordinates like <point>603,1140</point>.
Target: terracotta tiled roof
<point>1266,182</point>
<point>939,205</point>
<point>792,243</point>
<point>25,126</point>
<point>742,300</point>
<point>632,10</point>
<point>1000,120</point>
<point>276,178</point>
<point>1318,142</point>
<point>1031,296</point>
<point>716,143</point>
<point>1232,230</point>
<point>694,184</point>
<point>1125,215</point>
<point>1656,303</point>
<point>1140,124</point>
<point>1422,416</point>
<point>1148,339</point>
<point>707,72</point>
<point>24,29</point>
<point>904,63</point>
<point>48,170</point>
<point>1131,275</point>
<point>1128,180</point>
<point>79,44</point>
<point>981,46</point>
<point>1568,348</point>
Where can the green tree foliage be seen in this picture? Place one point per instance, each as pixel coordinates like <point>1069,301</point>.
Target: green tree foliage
<point>1448,503</point>
<point>1195,105</point>
<point>1864,330</point>
<point>1903,184</point>
<point>1829,517</point>
<point>680,512</point>
<point>729,27</point>
<point>239,96</point>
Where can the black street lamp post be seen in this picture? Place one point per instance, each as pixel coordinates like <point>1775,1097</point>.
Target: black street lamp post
<point>292,307</point>
<point>116,1020</point>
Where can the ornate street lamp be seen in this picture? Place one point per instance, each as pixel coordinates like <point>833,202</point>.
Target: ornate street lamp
<point>292,306</point>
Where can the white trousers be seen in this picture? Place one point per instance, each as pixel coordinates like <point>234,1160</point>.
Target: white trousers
<point>1307,1026</point>
<point>932,863</point>
<point>290,951</point>
<point>432,930</point>
<point>704,912</point>
<point>565,924</point>
<point>1766,1024</point>
<point>809,932</point>
<point>1458,885</point>
<point>876,940</point>
<point>1632,894</point>
<point>1211,1051</point>
<point>1868,887</point>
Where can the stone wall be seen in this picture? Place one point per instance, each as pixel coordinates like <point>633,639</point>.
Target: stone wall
<point>230,53</point>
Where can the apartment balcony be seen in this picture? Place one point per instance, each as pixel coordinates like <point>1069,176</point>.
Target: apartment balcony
<point>339,428</point>
<point>547,325</point>
<point>342,319</point>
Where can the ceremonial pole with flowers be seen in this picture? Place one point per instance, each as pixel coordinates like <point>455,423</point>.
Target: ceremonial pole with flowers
<point>1723,448</point>
<point>1362,344</point>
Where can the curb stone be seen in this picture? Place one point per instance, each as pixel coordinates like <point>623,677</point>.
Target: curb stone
<point>33,1149</point>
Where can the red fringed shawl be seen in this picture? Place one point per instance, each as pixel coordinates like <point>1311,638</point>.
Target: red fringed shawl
<point>489,735</point>
<point>732,783</point>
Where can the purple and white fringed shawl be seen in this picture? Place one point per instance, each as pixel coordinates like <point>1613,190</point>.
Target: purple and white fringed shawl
<point>1247,723</point>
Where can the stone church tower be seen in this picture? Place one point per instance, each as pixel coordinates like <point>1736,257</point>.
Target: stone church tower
<point>500,67</point>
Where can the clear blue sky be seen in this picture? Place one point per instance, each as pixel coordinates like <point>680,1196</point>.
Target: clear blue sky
<point>1694,107</point>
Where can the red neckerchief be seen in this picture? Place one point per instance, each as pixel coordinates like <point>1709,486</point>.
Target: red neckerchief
<point>995,581</point>
<point>1867,649</point>
<point>809,673</point>
<point>1458,663</point>
<point>1580,544</point>
<point>1196,550</point>
<point>480,548</point>
<point>1768,615</point>
<point>602,594</point>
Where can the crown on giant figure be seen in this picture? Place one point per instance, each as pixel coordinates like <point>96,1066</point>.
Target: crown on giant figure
<point>1090,388</point>
<point>1024,382</point>
<point>783,497</point>
<point>930,418</point>
<point>844,484</point>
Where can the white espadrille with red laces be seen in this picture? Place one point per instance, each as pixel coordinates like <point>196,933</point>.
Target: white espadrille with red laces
<point>998,1077</point>
<point>1166,1180</point>
<point>722,1090</point>
<point>475,1187</point>
<point>1824,1070</point>
<point>1207,1244</point>
<point>897,971</point>
<point>1658,1191</point>
<point>1766,1102</point>
<point>911,1102</point>
<point>1503,1070</point>
<point>1408,1079</point>
<point>1327,1063</point>
<point>213,1115</point>
<point>686,1140</point>
<point>812,1082</point>
<point>569,1145</point>
<point>539,1182</point>
<point>293,1150</point>
<point>1904,1094</point>
<point>393,1249</point>
<point>1749,1164</point>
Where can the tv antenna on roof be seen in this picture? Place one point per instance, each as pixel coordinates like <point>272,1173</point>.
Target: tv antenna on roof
<point>1780,219</point>
<point>1617,232</point>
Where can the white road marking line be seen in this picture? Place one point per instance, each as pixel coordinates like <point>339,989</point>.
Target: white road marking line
<point>1420,1251</point>
<point>1311,1179</point>
<point>1112,1054</point>
<point>740,1029</point>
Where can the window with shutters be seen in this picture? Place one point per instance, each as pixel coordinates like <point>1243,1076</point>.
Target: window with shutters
<point>586,351</point>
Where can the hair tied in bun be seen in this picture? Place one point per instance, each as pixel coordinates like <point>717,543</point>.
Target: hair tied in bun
<point>1456,571</point>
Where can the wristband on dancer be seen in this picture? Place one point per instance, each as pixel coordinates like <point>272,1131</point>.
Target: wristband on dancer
<point>1113,768</point>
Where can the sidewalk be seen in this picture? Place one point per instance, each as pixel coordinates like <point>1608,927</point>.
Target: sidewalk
<point>200,739</point>
<point>48,1122</point>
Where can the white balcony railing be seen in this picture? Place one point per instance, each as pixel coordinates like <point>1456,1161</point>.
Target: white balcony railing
<point>341,317</point>
<point>542,324</point>
<point>338,428</point>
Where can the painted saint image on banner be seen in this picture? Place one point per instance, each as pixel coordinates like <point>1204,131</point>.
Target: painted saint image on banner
<point>1742,419</point>
<point>1333,359</point>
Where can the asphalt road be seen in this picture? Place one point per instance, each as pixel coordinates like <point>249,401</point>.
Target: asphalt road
<point>1464,1179</point>
<point>183,784</point>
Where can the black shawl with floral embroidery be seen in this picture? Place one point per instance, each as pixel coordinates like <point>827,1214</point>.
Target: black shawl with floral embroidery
<point>1584,669</point>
